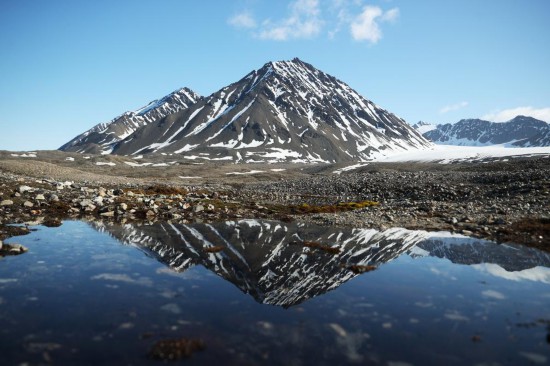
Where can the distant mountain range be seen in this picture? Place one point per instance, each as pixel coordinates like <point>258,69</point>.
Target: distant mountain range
<point>286,264</point>
<point>285,111</point>
<point>519,132</point>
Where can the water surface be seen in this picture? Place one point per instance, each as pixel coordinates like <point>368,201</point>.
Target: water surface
<point>265,292</point>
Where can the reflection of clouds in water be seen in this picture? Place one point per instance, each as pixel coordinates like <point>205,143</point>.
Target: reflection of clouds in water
<point>534,357</point>
<point>7,280</point>
<point>493,294</point>
<point>350,343</point>
<point>424,304</point>
<point>456,316</point>
<point>143,281</point>
<point>188,275</point>
<point>443,274</point>
<point>536,274</point>
<point>399,363</point>
<point>171,308</point>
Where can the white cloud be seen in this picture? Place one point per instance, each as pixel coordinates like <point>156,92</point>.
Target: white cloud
<point>366,26</point>
<point>242,20</point>
<point>391,15</point>
<point>507,114</point>
<point>307,19</point>
<point>453,107</point>
<point>304,21</point>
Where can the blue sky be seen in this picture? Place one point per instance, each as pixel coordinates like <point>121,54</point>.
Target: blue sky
<point>68,65</point>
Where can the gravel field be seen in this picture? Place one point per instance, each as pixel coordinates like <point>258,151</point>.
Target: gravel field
<point>506,201</point>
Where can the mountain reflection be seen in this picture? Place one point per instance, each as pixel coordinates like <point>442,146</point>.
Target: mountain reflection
<point>285,264</point>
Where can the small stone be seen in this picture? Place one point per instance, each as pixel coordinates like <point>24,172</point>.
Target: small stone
<point>89,208</point>
<point>454,221</point>
<point>108,214</point>
<point>85,203</point>
<point>6,203</point>
<point>130,194</point>
<point>150,213</point>
<point>123,206</point>
<point>23,189</point>
<point>54,198</point>
<point>211,207</point>
<point>28,204</point>
<point>198,208</point>
<point>40,197</point>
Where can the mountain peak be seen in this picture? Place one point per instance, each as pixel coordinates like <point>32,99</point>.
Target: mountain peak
<point>104,136</point>
<point>286,111</point>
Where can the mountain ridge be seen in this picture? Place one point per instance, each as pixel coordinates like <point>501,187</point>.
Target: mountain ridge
<point>285,111</point>
<point>96,139</point>
<point>520,131</point>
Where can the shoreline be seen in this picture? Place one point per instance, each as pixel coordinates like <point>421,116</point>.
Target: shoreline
<point>498,201</point>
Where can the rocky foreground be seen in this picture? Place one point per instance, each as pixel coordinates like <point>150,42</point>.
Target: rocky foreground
<point>502,201</point>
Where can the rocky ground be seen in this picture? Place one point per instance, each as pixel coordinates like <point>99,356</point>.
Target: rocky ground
<point>505,201</point>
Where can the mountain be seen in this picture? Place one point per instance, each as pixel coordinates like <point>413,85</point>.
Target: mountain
<point>102,138</point>
<point>285,111</point>
<point>270,261</point>
<point>518,132</point>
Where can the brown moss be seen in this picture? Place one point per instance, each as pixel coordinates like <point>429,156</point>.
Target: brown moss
<point>9,230</point>
<point>357,268</point>
<point>52,222</point>
<point>305,208</point>
<point>214,249</point>
<point>533,232</point>
<point>158,189</point>
<point>175,349</point>
<point>316,245</point>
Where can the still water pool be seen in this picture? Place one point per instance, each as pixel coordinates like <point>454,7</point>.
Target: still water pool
<point>269,293</point>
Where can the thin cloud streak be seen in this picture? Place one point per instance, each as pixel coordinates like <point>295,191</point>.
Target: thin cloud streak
<point>507,114</point>
<point>453,107</point>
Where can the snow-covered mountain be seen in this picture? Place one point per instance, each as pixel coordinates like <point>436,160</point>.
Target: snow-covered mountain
<point>103,137</point>
<point>285,111</point>
<point>518,132</point>
<point>287,263</point>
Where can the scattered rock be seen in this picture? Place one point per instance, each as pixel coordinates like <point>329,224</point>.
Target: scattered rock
<point>6,203</point>
<point>12,249</point>
<point>198,208</point>
<point>28,204</point>
<point>23,189</point>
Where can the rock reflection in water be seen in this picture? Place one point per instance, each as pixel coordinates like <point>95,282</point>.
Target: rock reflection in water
<point>285,264</point>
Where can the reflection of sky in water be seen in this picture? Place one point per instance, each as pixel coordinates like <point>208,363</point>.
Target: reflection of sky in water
<point>79,297</point>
